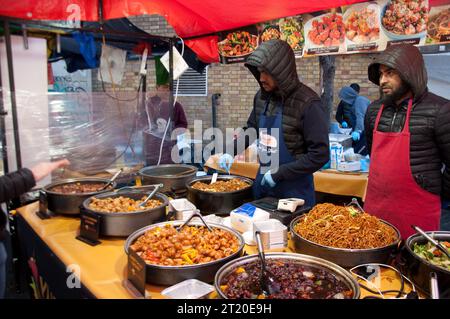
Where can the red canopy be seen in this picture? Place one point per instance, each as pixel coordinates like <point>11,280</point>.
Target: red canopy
<point>189,18</point>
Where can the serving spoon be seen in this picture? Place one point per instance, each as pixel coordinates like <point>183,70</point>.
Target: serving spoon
<point>268,282</point>
<point>431,240</point>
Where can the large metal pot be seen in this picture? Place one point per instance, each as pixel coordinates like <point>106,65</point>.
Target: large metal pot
<point>220,203</point>
<point>339,272</point>
<point>69,204</point>
<point>173,176</point>
<point>346,258</point>
<point>418,269</point>
<point>171,275</point>
<point>124,223</point>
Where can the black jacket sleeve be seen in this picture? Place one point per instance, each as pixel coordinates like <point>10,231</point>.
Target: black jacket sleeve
<point>14,184</point>
<point>368,129</point>
<point>442,133</point>
<point>315,133</point>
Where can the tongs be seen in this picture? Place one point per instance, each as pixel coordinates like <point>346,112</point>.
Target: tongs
<point>356,203</point>
<point>268,282</point>
<point>157,186</point>
<point>431,240</point>
<point>195,214</point>
<point>112,179</point>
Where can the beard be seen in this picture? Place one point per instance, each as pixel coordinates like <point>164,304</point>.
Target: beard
<point>395,95</point>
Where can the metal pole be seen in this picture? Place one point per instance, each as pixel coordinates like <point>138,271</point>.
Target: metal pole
<point>12,89</point>
<point>171,99</point>
<point>3,113</point>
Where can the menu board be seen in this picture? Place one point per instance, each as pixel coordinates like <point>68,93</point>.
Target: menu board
<point>363,27</point>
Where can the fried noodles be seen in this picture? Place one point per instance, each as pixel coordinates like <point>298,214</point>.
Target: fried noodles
<point>344,227</point>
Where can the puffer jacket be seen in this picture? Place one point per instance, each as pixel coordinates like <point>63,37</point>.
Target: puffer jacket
<point>429,119</point>
<point>305,121</point>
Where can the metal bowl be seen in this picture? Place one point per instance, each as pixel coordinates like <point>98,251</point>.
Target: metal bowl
<point>418,269</point>
<point>124,223</point>
<point>220,203</point>
<point>69,204</point>
<point>173,176</point>
<point>343,274</point>
<point>171,275</point>
<point>344,257</point>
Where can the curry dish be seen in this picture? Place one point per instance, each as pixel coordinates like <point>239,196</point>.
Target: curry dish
<point>78,188</point>
<point>191,245</point>
<point>121,204</point>
<point>224,186</point>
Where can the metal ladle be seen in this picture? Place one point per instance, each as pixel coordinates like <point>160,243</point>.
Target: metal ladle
<point>157,186</point>
<point>268,282</point>
<point>431,240</point>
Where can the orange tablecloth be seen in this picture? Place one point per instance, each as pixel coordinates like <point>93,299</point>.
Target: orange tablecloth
<point>340,183</point>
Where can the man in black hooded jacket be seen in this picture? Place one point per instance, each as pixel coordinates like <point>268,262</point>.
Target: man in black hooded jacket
<point>285,104</point>
<point>413,196</point>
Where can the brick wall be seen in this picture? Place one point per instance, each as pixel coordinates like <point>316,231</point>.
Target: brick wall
<point>236,84</point>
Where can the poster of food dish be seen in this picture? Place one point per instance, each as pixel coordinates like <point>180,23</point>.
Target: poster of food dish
<point>289,29</point>
<point>324,33</point>
<point>438,26</point>
<point>236,46</point>
<point>362,27</point>
<point>404,21</point>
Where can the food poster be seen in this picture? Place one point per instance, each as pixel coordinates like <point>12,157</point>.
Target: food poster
<point>404,21</point>
<point>324,33</point>
<point>438,26</point>
<point>235,46</point>
<point>362,27</point>
<point>289,29</point>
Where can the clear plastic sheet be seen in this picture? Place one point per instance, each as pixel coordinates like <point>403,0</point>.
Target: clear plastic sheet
<point>97,132</point>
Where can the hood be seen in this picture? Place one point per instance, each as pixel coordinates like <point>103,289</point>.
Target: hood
<point>276,58</point>
<point>408,61</point>
<point>348,95</point>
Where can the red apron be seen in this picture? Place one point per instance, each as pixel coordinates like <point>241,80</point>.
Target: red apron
<point>392,192</point>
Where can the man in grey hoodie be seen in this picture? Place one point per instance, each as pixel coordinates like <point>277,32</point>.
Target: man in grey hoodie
<point>359,106</point>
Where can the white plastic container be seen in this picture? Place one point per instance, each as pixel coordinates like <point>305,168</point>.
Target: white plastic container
<point>243,217</point>
<point>188,289</point>
<point>273,234</point>
<point>336,154</point>
<point>182,208</point>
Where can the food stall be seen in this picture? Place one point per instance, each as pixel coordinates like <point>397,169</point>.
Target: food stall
<point>100,243</point>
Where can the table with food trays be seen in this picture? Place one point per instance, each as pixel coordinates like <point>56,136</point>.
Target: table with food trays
<point>102,269</point>
<point>108,237</point>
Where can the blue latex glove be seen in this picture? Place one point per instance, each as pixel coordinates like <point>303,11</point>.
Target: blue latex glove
<point>344,124</point>
<point>268,180</point>
<point>225,162</point>
<point>356,136</point>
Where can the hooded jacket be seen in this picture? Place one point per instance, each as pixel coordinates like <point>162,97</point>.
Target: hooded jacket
<point>359,106</point>
<point>305,121</point>
<point>429,120</point>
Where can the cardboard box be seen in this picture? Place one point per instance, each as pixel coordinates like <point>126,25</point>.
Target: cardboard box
<point>240,168</point>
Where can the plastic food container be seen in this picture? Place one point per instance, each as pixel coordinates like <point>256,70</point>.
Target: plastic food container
<point>188,289</point>
<point>181,208</point>
<point>273,234</point>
